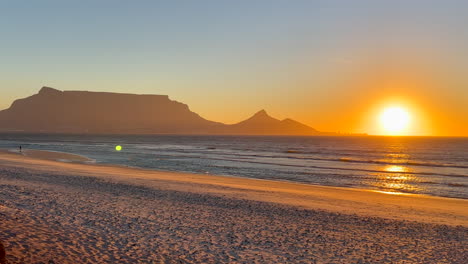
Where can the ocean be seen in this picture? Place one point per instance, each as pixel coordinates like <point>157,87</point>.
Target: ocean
<point>401,165</point>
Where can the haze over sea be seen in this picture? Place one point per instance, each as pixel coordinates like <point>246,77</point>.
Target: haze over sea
<point>419,165</point>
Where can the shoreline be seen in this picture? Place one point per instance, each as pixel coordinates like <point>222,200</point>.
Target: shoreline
<point>65,157</point>
<point>50,155</point>
<point>364,202</point>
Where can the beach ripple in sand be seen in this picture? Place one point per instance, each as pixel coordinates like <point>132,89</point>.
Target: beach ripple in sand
<point>78,219</point>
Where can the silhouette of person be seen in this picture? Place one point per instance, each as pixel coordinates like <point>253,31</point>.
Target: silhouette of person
<point>21,149</point>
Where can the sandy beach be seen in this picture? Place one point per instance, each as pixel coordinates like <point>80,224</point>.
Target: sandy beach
<point>82,213</point>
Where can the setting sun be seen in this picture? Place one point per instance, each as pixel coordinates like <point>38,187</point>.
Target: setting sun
<point>394,120</point>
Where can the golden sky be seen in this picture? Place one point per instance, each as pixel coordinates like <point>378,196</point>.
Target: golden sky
<point>335,66</point>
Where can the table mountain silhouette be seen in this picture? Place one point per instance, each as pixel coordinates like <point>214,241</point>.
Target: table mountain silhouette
<point>54,111</point>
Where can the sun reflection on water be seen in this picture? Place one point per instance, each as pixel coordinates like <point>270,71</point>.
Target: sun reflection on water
<point>394,193</point>
<point>396,180</point>
<point>397,156</point>
<point>395,168</point>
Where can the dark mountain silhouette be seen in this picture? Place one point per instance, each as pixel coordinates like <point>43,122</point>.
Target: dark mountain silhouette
<point>54,111</point>
<point>93,112</point>
<point>261,124</point>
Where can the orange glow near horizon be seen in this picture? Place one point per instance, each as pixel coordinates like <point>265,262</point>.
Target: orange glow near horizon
<point>398,115</point>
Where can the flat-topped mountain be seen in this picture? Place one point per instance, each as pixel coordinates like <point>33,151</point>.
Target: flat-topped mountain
<point>94,112</point>
<point>54,111</point>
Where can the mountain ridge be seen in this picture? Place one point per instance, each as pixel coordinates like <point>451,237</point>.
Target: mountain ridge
<point>56,111</point>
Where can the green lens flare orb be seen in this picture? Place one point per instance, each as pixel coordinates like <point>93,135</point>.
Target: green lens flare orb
<point>118,148</point>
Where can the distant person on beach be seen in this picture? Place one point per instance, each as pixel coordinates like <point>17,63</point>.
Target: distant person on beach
<point>21,149</point>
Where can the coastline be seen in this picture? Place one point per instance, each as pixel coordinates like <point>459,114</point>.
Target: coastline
<point>397,206</point>
<point>341,162</point>
<point>49,155</point>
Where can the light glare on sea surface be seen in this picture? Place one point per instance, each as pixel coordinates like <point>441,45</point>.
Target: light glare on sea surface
<point>395,168</point>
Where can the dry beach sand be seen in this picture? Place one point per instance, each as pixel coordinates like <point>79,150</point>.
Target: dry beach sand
<point>81,213</point>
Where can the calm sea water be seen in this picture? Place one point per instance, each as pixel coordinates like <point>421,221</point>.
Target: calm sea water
<point>422,165</point>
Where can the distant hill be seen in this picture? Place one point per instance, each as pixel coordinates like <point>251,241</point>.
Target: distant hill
<point>54,111</point>
<point>261,124</point>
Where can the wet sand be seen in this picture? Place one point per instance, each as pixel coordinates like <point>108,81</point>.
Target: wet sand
<point>50,155</point>
<point>77,213</point>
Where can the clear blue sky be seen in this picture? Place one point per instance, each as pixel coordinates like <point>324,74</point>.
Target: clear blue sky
<point>228,59</point>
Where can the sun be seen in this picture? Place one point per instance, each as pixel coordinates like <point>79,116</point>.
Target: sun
<point>394,120</point>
